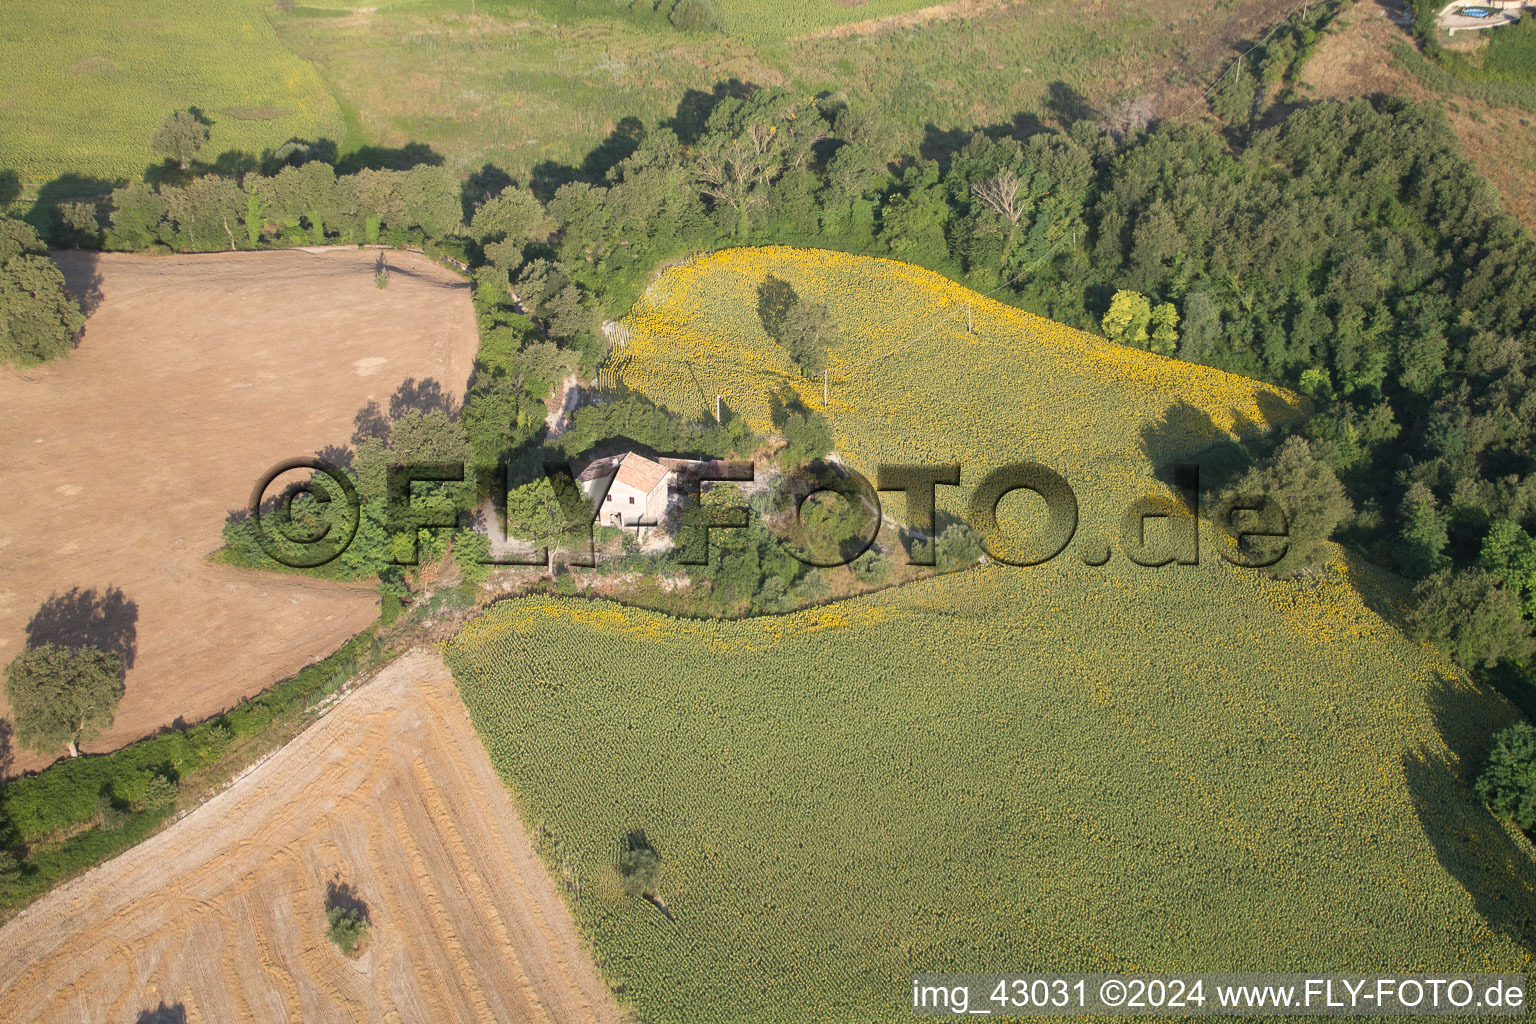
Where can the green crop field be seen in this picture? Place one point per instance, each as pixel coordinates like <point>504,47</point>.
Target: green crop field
<point>1011,769</point>
<point>84,85</point>
<point>1025,769</point>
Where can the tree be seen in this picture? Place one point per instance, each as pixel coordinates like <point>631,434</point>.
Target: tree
<point>346,916</point>
<point>1000,193</point>
<point>544,512</point>
<point>1474,615</point>
<point>958,546</point>
<point>1128,115</point>
<point>1127,318</point>
<point>1508,783</point>
<point>1509,553</point>
<point>513,215</point>
<point>750,142</point>
<point>180,136</point>
<point>39,320</point>
<point>639,866</point>
<point>78,225</point>
<point>807,437</point>
<point>808,330</point>
<point>1424,535</point>
<point>692,16</point>
<point>62,696</point>
<point>1307,493</point>
<point>1165,333</point>
<point>1202,328</point>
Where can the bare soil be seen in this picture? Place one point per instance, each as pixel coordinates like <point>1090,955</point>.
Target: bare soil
<point>221,917</point>
<point>195,375</point>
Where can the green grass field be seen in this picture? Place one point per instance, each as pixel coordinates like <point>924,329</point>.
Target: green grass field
<point>773,19</point>
<point>517,84</point>
<point>1060,768</point>
<point>85,85</point>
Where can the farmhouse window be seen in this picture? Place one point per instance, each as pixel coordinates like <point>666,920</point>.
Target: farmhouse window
<point>607,497</point>
<point>631,499</point>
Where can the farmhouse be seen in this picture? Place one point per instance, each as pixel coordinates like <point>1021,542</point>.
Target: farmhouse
<point>637,494</point>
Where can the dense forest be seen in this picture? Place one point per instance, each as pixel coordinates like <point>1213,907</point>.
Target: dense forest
<point>1348,252</point>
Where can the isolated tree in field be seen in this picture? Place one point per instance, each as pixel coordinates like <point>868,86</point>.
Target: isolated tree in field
<point>180,136</point>
<point>39,320</point>
<point>1307,493</point>
<point>1127,319</point>
<point>1508,782</point>
<point>639,865</point>
<point>808,330</point>
<point>805,329</point>
<point>346,916</point>
<point>62,696</point>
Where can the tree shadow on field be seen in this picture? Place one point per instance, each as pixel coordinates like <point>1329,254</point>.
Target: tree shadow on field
<point>1067,105</point>
<point>44,213</point>
<point>82,278</point>
<point>341,894</point>
<point>941,144</point>
<point>1497,870</point>
<point>388,158</point>
<point>425,395</point>
<point>1186,435</point>
<point>370,422</point>
<point>88,618</point>
<point>695,106</point>
<point>165,1013</point>
<point>613,150</point>
<point>480,186</point>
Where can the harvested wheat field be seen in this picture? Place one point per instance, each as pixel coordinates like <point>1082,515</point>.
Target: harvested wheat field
<point>221,917</point>
<point>195,375</point>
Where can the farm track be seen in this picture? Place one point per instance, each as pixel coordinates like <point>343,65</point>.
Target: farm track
<point>195,375</point>
<point>222,914</point>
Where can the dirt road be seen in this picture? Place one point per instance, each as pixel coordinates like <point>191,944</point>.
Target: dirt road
<point>195,375</point>
<point>222,916</point>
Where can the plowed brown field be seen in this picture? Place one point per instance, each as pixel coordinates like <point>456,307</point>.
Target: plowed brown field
<point>195,375</point>
<point>221,916</point>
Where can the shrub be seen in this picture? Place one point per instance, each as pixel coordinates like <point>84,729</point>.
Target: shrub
<point>113,816</point>
<point>692,16</point>
<point>958,547</point>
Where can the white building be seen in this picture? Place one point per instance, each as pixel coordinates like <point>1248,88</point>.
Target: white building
<point>637,494</point>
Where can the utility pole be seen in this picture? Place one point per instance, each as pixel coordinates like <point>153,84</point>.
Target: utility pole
<point>823,387</point>
<point>968,328</point>
<point>717,408</point>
